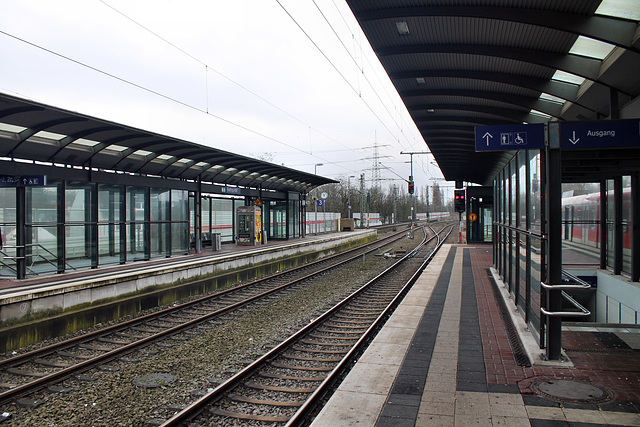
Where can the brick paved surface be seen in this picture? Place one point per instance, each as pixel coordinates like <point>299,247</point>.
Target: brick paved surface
<point>472,378</point>
<point>598,357</point>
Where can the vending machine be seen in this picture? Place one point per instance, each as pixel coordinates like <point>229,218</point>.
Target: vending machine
<point>249,225</point>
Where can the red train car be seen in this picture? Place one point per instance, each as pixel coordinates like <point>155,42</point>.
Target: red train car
<point>581,219</point>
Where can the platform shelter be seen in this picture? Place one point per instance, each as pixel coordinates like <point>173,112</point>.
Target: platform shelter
<point>79,192</point>
<point>555,90</point>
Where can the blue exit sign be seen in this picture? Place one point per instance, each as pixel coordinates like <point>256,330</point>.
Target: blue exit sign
<point>602,134</point>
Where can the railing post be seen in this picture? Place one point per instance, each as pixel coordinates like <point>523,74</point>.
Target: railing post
<point>21,253</point>
<point>554,242</point>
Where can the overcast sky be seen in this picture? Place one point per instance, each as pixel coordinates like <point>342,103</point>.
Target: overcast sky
<point>291,81</point>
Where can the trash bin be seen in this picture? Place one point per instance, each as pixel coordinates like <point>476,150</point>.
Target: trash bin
<point>216,239</point>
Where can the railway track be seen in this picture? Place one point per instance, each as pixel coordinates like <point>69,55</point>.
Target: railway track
<point>285,385</point>
<point>26,373</point>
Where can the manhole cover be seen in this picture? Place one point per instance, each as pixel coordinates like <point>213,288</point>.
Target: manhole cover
<point>153,380</point>
<point>571,391</point>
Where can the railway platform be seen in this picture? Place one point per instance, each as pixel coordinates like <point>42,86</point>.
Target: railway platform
<point>60,292</point>
<point>446,358</point>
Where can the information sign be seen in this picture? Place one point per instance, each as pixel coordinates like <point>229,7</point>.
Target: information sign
<point>232,190</point>
<point>23,181</point>
<point>510,137</point>
<point>602,134</point>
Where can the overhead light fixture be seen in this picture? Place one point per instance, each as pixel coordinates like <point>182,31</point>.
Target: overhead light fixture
<point>420,80</point>
<point>403,28</point>
<point>430,110</point>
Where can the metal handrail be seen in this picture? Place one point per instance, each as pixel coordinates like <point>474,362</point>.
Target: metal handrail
<point>576,279</point>
<point>580,284</point>
<point>36,255</point>
<point>584,285</point>
<point>583,311</point>
<point>6,255</point>
<point>520,230</point>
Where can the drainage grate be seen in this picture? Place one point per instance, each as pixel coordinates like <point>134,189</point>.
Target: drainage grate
<point>519,354</point>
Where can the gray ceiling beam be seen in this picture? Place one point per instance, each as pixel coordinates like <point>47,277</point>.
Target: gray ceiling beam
<point>589,68</point>
<point>616,31</point>
<point>562,90</point>
<point>70,139</point>
<point>551,108</point>
<point>507,113</point>
<point>43,126</point>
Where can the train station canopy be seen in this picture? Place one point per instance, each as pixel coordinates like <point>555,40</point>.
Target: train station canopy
<point>458,64</point>
<point>36,132</point>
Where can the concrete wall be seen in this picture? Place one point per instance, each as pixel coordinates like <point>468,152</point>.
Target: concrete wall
<point>617,298</point>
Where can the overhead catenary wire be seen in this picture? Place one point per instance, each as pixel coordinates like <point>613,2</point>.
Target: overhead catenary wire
<point>146,89</point>
<point>212,69</point>
<point>354,89</point>
<point>205,109</point>
<point>361,68</point>
<point>207,68</point>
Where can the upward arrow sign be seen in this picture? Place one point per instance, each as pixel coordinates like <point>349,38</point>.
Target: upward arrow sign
<point>487,136</point>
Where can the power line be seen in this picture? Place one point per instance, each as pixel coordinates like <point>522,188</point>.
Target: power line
<point>209,68</point>
<point>366,58</point>
<point>146,89</point>
<point>336,68</point>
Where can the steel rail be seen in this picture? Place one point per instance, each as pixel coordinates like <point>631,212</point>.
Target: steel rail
<point>65,373</point>
<point>21,358</point>
<point>197,407</point>
<point>311,402</point>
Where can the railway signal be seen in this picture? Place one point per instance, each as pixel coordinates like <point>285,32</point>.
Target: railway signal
<point>459,201</point>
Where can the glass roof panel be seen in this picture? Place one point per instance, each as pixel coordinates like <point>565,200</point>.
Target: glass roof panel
<point>142,153</point>
<point>539,114</point>
<point>591,48</point>
<point>628,9</point>
<point>11,128</point>
<point>115,147</point>
<point>86,142</point>
<point>49,135</point>
<point>164,157</point>
<point>563,76</point>
<point>551,98</point>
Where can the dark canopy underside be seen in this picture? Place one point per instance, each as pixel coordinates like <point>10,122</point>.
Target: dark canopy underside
<point>464,63</point>
<point>33,131</point>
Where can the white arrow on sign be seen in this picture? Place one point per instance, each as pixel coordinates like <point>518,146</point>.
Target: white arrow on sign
<point>487,136</point>
<point>575,140</point>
